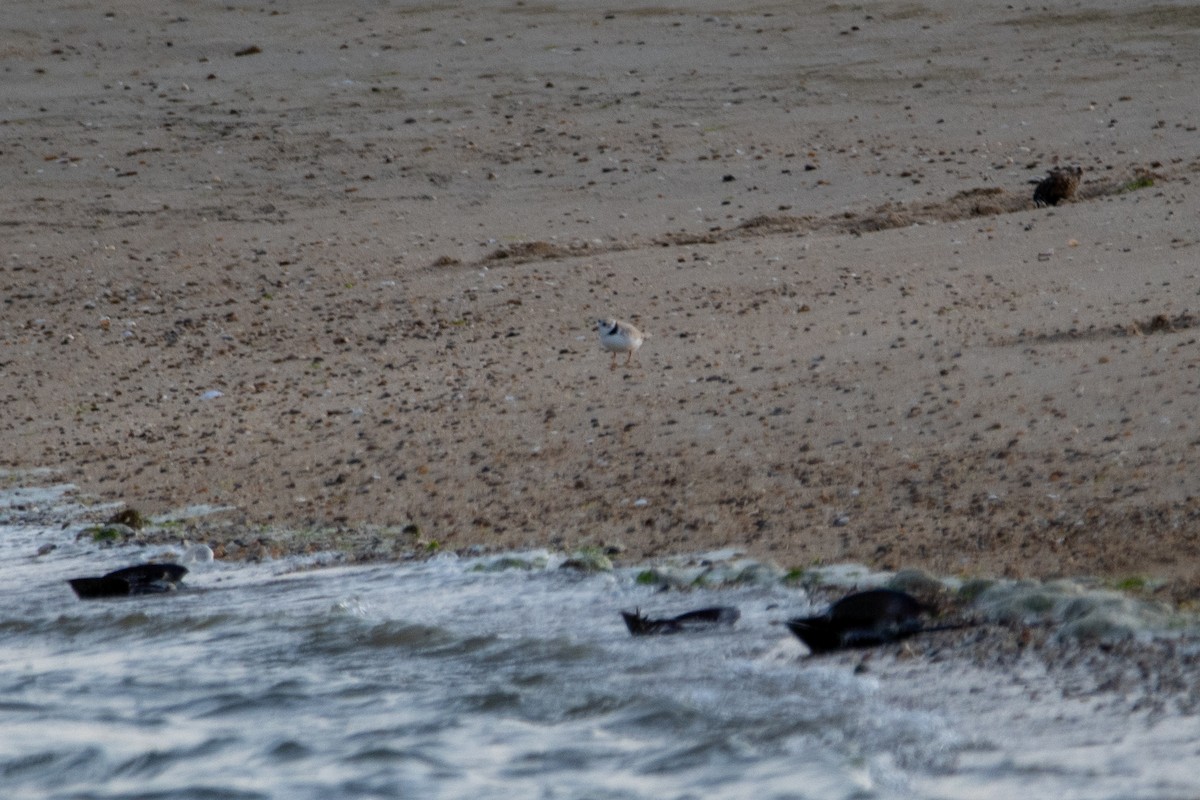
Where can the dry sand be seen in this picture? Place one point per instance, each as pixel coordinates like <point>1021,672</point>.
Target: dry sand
<point>383,232</point>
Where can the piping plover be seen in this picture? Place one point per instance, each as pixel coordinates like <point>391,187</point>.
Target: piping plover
<point>1057,186</point>
<point>619,337</point>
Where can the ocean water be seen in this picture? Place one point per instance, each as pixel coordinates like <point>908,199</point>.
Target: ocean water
<point>446,679</point>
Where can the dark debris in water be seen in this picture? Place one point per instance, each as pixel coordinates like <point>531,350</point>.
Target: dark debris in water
<point>139,579</point>
<point>700,619</point>
<point>861,619</point>
<point>867,619</point>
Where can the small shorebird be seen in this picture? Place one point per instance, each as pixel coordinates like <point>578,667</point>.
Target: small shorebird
<point>1057,186</point>
<point>619,337</point>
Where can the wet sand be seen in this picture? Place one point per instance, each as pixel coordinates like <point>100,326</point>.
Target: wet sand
<point>337,267</point>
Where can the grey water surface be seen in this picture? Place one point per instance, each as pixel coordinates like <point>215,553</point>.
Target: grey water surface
<point>442,679</point>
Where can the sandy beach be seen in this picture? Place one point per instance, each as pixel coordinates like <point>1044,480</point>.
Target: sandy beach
<point>338,266</point>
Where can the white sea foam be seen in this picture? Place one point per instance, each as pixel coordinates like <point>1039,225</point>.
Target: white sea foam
<point>512,677</point>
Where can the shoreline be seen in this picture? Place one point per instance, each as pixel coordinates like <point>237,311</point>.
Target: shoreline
<point>109,526</point>
<point>1085,639</point>
<point>1005,693</point>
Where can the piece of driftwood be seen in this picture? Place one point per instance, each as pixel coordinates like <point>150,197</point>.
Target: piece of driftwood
<point>862,619</point>
<point>139,579</point>
<point>692,620</point>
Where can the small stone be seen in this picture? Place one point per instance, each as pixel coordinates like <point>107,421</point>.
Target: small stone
<point>588,560</point>
<point>128,516</point>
